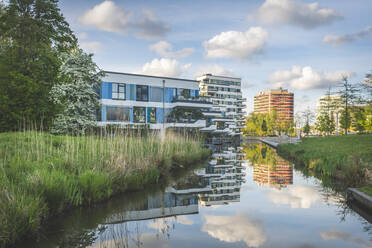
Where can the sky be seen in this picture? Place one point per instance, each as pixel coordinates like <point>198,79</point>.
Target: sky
<point>304,46</point>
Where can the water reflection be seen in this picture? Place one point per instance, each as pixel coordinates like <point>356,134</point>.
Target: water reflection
<point>227,203</point>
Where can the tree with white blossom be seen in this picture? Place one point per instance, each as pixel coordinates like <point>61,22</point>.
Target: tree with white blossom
<point>76,93</point>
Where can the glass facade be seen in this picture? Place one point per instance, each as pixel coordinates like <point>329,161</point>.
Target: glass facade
<point>142,93</point>
<point>156,94</point>
<point>139,114</point>
<point>114,113</point>
<point>118,91</point>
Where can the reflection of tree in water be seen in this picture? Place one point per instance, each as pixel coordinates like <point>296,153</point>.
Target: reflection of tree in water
<point>269,168</point>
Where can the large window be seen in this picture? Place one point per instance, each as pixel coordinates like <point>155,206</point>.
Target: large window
<point>139,114</point>
<point>156,94</point>
<point>114,113</point>
<point>118,91</point>
<point>142,93</point>
<point>152,115</point>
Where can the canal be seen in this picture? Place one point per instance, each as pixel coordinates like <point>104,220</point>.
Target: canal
<point>246,196</point>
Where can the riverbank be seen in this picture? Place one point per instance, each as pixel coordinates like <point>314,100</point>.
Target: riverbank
<point>42,175</point>
<point>343,157</point>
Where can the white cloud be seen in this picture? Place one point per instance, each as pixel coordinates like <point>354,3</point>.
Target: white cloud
<point>237,45</point>
<point>165,49</point>
<point>107,16</point>
<point>337,40</point>
<point>335,234</point>
<point>294,12</point>
<point>91,47</point>
<point>82,36</point>
<point>297,196</point>
<point>215,70</point>
<point>164,67</point>
<point>233,229</point>
<point>303,78</point>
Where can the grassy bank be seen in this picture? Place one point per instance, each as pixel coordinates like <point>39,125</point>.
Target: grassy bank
<point>366,189</point>
<point>343,157</point>
<point>42,175</point>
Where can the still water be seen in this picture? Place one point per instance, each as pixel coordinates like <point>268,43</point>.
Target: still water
<point>245,197</point>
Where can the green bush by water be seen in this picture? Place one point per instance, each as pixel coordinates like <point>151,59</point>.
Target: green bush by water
<point>42,175</point>
<point>345,157</point>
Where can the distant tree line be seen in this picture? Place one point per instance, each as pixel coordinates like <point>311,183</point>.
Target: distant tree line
<point>267,124</point>
<point>45,79</point>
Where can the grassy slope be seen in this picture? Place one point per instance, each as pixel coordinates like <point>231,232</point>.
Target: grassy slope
<point>341,156</point>
<point>42,175</point>
<point>366,189</point>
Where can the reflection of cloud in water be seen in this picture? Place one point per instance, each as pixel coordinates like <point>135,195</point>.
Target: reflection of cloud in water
<point>149,240</point>
<point>297,196</point>
<point>335,234</point>
<point>234,229</point>
<point>162,224</point>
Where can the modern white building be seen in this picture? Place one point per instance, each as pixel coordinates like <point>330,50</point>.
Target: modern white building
<point>133,99</point>
<point>226,113</point>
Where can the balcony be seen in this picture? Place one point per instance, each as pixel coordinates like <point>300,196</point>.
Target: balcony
<point>191,100</point>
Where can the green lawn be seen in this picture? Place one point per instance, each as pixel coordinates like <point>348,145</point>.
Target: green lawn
<point>42,175</point>
<point>366,189</point>
<point>340,156</point>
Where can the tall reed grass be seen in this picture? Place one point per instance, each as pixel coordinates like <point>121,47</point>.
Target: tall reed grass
<point>42,175</point>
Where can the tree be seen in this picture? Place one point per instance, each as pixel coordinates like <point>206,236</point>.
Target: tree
<point>348,94</point>
<point>76,93</point>
<point>33,33</point>
<point>325,123</point>
<point>359,119</point>
<point>308,117</point>
<point>306,128</point>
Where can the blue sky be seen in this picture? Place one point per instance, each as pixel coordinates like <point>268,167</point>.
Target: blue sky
<point>302,45</point>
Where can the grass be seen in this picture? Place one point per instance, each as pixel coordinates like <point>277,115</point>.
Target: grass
<point>366,189</point>
<point>344,157</point>
<point>42,175</point>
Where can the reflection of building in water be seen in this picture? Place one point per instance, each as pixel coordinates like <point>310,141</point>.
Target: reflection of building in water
<point>278,175</point>
<point>158,206</point>
<point>224,175</point>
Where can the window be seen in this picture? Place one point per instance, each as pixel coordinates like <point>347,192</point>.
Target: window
<point>152,115</point>
<point>156,94</point>
<point>139,114</point>
<point>118,91</point>
<point>142,93</point>
<point>114,113</point>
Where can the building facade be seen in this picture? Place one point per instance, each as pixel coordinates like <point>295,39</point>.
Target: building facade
<point>331,105</point>
<point>279,99</point>
<point>150,100</point>
<point>226,114</point>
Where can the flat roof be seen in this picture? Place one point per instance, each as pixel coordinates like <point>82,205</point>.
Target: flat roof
<point>142,75</point>
<point>212,75</point>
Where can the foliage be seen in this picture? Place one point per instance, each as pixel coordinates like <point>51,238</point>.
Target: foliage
<point>188,113</point>
<point>76,93</point>
<point>33,33</point>
<point>325,123</point>
<point>366,189</point>
<point>42,175</point>
<point>263,124</point>
<point>306,128</point>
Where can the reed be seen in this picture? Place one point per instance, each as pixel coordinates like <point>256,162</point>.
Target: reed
<point>42,175</point>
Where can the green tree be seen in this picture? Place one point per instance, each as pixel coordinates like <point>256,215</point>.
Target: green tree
<point>33,33</point>
<point>306,128</point>
<point>325,123</point>
<point>359,119</point>
<point>343,123</point>
<point>76,93</point>
<point>348,94</point>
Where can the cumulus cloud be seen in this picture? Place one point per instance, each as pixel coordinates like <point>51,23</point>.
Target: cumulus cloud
<point>233,229</point>
<point>338,40</point>
<point>214,69</point>
<point>164,67</point>
<point>168,222</point>
<point>297,196</point>
<point>294,12</point>
<point>91,47</point>
<point>303,78</point>
<point>107,16</point>
<point>165,49</point>
<point>335,234</point>
<point>237,45</point>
